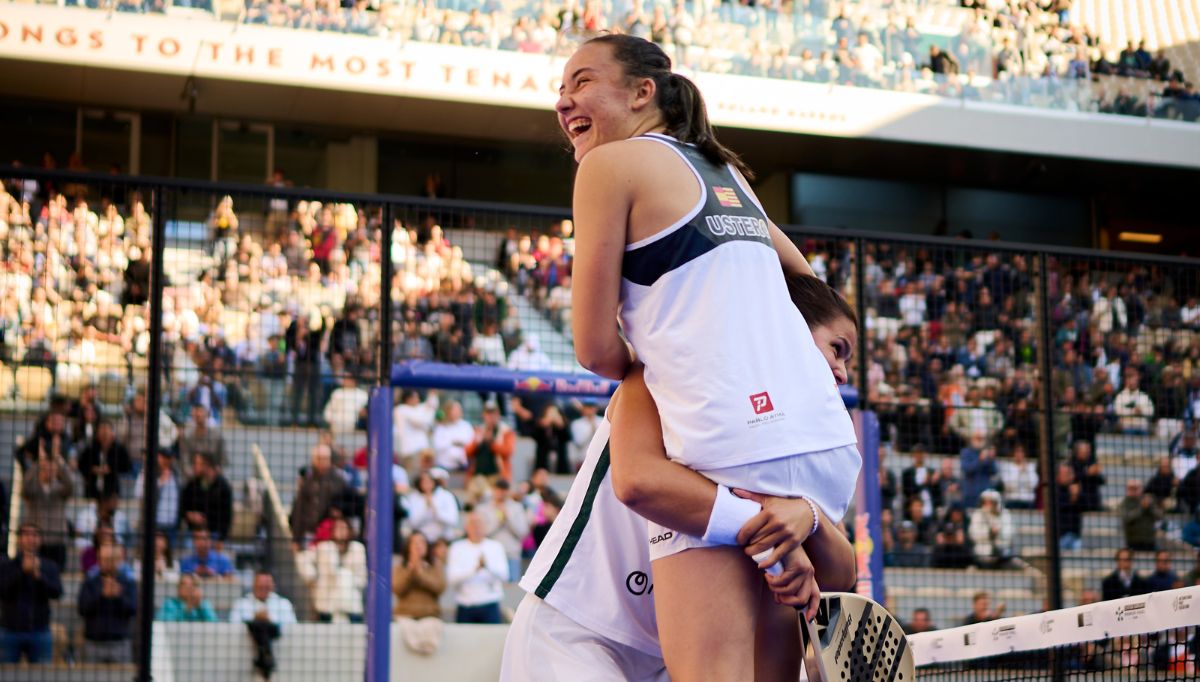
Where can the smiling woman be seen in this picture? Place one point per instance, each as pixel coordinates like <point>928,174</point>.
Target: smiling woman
<point>677,264</point>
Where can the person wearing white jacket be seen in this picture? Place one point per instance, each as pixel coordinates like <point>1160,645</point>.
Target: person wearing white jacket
<point>991,531</point>
<point>1133,408</point>
<point>337,570</point>
<point>432,510</point>
<point>476,569</point>
<point>505,521</point>
<point>451,436</point>
<point>346,404</point>
<point>412,420</point>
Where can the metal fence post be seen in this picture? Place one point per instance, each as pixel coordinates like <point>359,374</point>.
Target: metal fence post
<point>385,295</point>
<point>860,296</point>
<point>1048,457</point>
<point>153,407</point>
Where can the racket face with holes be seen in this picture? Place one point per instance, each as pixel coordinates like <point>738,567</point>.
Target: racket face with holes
<point>861,642</point>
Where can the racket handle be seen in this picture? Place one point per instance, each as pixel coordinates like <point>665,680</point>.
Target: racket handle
<point>775,568</point>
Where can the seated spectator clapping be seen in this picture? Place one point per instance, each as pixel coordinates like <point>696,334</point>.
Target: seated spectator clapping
<point>189,604</point>
<point>206,561</point>
<point>337,569</point>
<point>418,580</point>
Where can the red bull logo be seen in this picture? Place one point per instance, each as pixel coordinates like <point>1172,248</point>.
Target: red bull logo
<point>532,385</point>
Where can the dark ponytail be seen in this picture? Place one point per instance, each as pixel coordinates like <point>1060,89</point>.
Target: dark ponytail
<point>677,97</point>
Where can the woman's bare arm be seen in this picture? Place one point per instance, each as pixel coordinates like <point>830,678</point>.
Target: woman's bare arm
<point>603,198</point>
<point>674,496</point>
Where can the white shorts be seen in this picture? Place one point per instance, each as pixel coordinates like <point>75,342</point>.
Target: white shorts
<point>544,645</point>
<point>827,477</point>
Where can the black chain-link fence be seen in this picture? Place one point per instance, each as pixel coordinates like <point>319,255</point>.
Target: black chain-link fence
<point>219,342</point>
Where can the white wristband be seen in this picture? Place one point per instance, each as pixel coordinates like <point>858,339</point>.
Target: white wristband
<point>729,514</point>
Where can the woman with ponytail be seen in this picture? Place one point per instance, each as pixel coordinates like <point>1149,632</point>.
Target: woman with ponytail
<point>678,267</point>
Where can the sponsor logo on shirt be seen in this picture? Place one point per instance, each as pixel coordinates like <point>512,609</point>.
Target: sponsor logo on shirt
<point>736,226</point>
<point>727,196</point>
<point>761,402</point>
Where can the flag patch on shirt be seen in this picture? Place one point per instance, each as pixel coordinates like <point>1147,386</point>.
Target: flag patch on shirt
<point>727,196</point>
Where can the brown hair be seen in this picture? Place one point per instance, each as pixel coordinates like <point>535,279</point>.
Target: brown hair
<point>677,96</point>
<point>818,302</point>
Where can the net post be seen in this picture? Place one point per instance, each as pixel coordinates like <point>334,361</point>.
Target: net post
<point>379,535</point>
<point>145,633</point>
<point>1048,457</point>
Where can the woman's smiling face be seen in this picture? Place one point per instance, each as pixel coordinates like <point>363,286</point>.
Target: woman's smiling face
<point>595,100</point>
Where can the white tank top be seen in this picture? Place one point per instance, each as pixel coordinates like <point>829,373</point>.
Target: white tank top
<point>594,564</point>
<point>729,360</point>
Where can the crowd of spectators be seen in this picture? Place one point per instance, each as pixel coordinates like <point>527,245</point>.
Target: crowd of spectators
<point>1032,53</point>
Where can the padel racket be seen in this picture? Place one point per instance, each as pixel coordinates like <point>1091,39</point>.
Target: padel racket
<point>853,639</point>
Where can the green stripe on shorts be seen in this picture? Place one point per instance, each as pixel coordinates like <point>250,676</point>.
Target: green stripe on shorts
<point>573,535</point>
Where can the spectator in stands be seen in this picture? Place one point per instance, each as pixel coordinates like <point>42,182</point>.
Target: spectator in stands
<point>528,357</point>
<point>505,520</point>
<point>337,570</point>
<point>920,622</point>
<point>418,581</point>
<point>347,407</point>
<point>206,500</point>
<point>1133,408</point>
<point>1192,577</point>
<point>991,532</point>
<point>552,436</point>
<point>908,551</point>
<point>132,431</point>
<point>1163,483</point>
<point>487,346</point>
<point>476,570</point>
<point>1188,492</point>
<point>1185,454</point>
<point>27,585</point>
<point>49,439</point>
<point>1123,581</point>
<point>451,436</point>
<point>102,461</point>
<point>1089,473</point>
<point>976,416</point>
<point>265,613</point>
<point>432,510</point>
<point>493,443</point>
<point>951,547</point>
<point>1070,508</point>
<point>1163,577</point>
<point>205,561</point>
<point>262,603</point>
<point>1140,516</point>
<point>319,487</point>
<point>166,512</point>
<point>200,438</point>
<point>981,609</point>
<point>920,480</point>
<point>108,601</point>
<point>105,511</point>
<point>583,428</point>
<point>45,507</point>
<point>412,420</point>
<point>166,568</point>
<point>978,464</point>
<point>303,341</point>
<point>189,604</point>
<point>949,484</point>
<point>1020,479</point>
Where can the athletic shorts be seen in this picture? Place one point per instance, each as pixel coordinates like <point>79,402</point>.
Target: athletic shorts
<point>827,477</point>
<point>544,645</point>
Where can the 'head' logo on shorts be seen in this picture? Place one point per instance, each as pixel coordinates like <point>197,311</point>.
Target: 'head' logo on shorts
<point>761,402</point>
<point>727,196</point>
